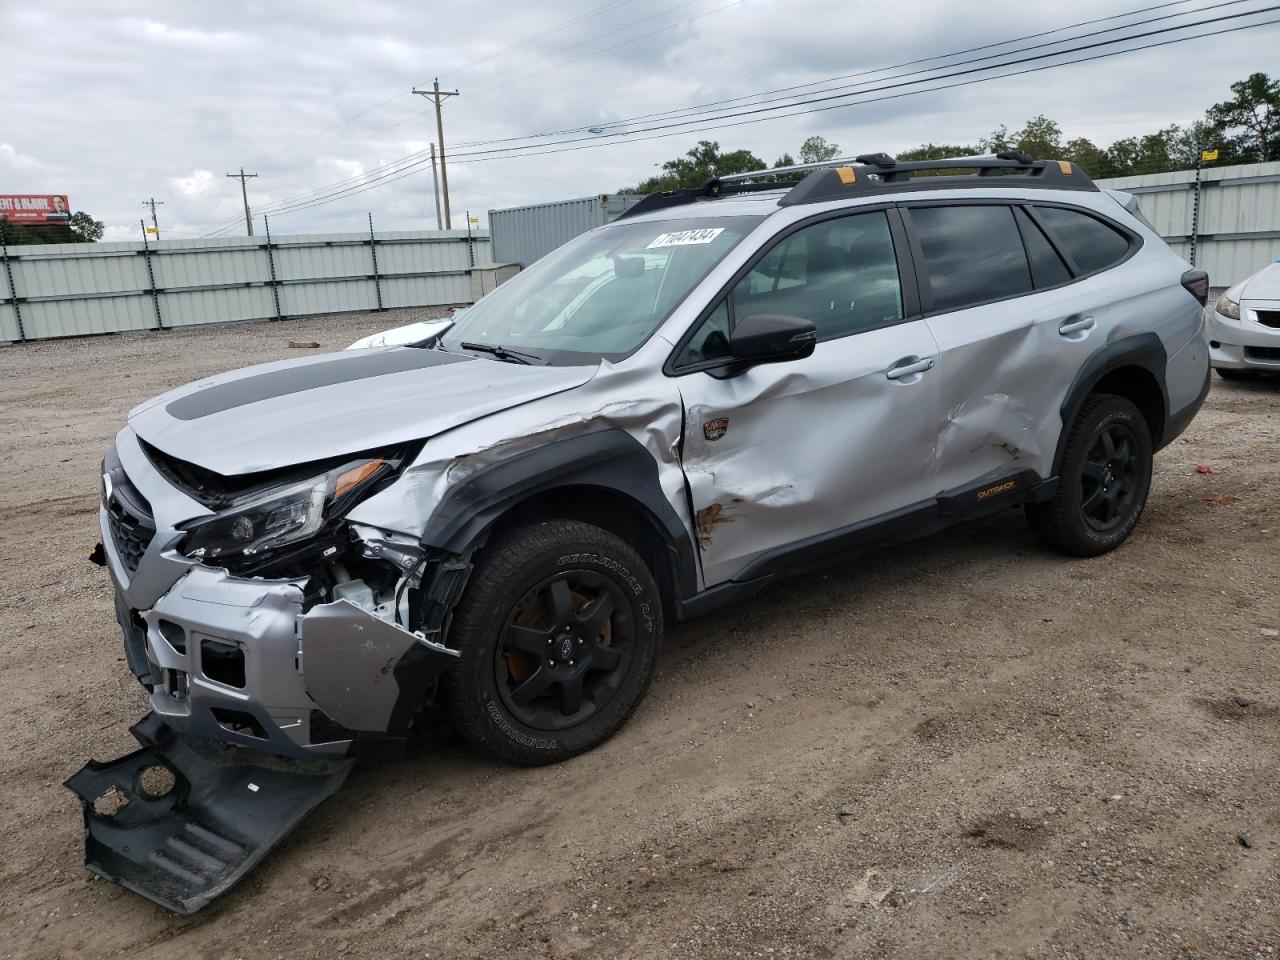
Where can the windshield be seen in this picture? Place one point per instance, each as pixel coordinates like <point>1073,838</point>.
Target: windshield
<point>602,294</point>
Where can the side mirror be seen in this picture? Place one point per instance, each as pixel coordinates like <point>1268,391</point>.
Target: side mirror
<point>772,337</point>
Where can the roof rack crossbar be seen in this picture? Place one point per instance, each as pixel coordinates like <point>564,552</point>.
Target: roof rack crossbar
<point>872,173</point>
<point>883,161</point>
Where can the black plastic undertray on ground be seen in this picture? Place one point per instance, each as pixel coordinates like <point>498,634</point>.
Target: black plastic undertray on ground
<point>182,820</point>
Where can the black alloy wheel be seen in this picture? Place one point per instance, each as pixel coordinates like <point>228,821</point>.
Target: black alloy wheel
<point>558,631</point>
<point>1103,479</point>
<point>1110,477</point>
<point>564,649</point>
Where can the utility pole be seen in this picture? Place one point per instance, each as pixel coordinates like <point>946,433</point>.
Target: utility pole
<point>436,95</point>
<point>244,194</point>
<point>152,202</point>
<point>435,186</point>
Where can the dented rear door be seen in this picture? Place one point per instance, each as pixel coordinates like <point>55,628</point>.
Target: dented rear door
<point>1013,331</point>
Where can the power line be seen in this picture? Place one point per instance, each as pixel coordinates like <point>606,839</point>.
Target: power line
<point>396,96</point>
<point>582,43</point>
<point>393,172</point>
<point>399,164</point>
<point>395,166</point>
<point>632,136</point>
<point>829,93</point>
<point>538,36</point>
<point>863,73</point>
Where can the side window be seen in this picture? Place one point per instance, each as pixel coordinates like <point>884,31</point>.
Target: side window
<point>711,342</point>
<point>1047,268</point>
<point>841,275</point>
<point>972,254</point>
<point>1090,243</point>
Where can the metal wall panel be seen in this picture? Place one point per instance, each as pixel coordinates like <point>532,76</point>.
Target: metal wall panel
<point>8,322</point>
<point>413,291</point>
<point>300,299</point>
<point>524,234</point>
<point>1239,230</point>
<point>188,308</point>
<point>76,318</point>
<point>69,290</point>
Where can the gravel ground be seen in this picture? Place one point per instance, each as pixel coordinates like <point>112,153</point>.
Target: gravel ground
<point>967,747</point>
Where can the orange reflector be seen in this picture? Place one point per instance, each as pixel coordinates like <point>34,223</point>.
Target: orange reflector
<point>352,478</point>
<point>1065,167</point>
<point>846,175</point>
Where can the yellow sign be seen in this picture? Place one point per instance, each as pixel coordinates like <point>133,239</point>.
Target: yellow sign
<point>1209,154</point>
<point>475,220</point>
<point>155,231</point>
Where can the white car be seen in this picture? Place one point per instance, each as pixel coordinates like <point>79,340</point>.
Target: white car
<point>1244,331</point>
<point>410,335</point>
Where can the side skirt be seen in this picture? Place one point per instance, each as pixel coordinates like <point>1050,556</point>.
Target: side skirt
<point>910,523</point>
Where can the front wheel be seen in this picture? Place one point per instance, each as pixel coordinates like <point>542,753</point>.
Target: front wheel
<point>558,629</point>
<point>1104,481</point>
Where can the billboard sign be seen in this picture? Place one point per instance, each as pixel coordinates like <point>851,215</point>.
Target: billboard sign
<point>34,208</point>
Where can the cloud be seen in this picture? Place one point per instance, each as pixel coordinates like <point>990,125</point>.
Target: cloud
<point>115,101</point>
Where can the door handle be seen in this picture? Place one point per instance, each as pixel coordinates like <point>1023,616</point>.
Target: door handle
<point>908,366</point>
<point>1075,324</point>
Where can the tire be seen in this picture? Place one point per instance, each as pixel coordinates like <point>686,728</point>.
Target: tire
<point>1103,483</point>
<point>556,613</point>
<point>1229,374</point>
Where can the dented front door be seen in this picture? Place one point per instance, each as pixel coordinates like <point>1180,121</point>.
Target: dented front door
<point>785,452</point>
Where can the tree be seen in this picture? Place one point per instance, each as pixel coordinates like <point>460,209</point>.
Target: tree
<point>1088,156</point>
<point>1250,121</point>
<point>818,150</point>
<point>697,166</point>
<point>82,228</point>
<point>1040,137</point>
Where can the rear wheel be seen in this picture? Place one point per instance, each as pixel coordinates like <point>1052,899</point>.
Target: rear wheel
<point>1104,480</point>
<point>558,630</point>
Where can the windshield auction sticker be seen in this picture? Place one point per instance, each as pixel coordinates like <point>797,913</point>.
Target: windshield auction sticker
<point>686,238</point>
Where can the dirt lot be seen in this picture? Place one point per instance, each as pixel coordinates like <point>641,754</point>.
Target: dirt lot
<point>968,747</point>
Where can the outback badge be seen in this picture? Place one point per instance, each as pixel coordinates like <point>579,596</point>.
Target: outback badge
<point>715,429</point>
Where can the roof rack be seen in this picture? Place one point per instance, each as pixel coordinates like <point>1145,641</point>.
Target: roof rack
<point>875,173</point>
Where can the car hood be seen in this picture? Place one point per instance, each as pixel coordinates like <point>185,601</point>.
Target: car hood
<point>296,411</point>
<point>1263,285</point>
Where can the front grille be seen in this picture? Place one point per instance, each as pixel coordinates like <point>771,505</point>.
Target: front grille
<point>131,535</point>
<point>1268,318</point>
<point>1265,354</point>
<point>129,516</point>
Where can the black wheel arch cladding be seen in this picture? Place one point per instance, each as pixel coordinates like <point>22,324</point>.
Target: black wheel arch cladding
<point>1142,350</point>
<point>609,459</point>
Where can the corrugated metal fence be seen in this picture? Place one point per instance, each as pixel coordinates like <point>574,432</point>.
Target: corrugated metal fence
<point>524,234</point>
<point>66,290</point>
<point>1239,215</point>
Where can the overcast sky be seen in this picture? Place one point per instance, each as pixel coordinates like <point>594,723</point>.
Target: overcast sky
<point>111,102</point>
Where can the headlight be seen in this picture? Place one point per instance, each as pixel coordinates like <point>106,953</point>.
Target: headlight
<point>283,514</point>
<point>1227,307</point>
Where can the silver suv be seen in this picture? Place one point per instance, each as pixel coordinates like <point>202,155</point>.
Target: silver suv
<point>728,385</point>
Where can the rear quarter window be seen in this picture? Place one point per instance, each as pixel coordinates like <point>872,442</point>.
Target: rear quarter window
<point>972,254</point>
<point>1091,244</point>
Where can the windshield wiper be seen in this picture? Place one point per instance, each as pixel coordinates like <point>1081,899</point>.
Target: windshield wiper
<point>502,353</point>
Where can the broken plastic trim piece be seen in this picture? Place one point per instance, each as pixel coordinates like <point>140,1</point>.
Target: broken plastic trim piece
<point>353,662</point>
<point>187,833</point>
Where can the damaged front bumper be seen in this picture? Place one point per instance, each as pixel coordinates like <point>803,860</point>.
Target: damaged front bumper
<point>239,660</point>
<point>261,696</point>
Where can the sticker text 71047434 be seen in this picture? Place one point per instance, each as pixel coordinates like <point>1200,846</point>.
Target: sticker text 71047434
<point>685,238</point>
